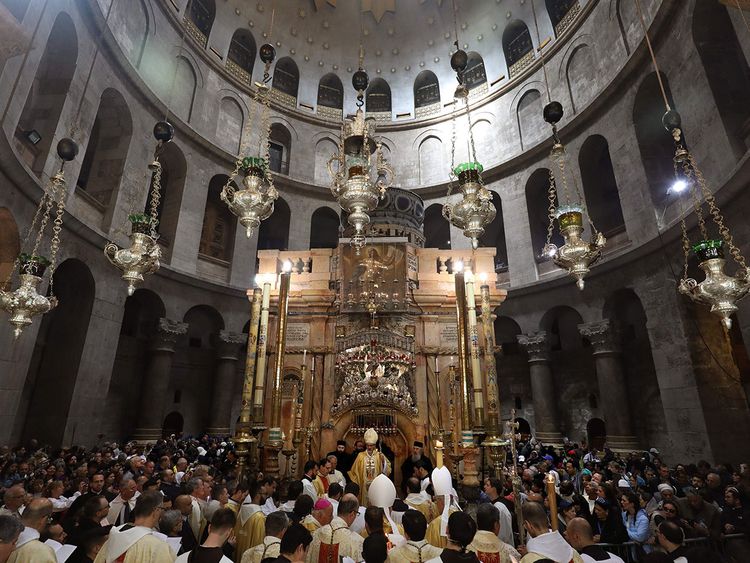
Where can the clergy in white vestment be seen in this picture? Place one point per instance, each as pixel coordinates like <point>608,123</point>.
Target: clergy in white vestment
<point>487,544</point>
<point>308,488</point>
<point>275,525</point>
<point>28,547</point>
<point>336,540</point>
<point>250,526</point>
<point>121,507</point>
<point>334,475</point>
<point>417,501</point>
<point>416,549</point>
<point>139,542</point>
<point>198,490</point>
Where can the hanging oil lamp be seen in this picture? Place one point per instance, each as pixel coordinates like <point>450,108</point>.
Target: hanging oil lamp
<point>25,302</point>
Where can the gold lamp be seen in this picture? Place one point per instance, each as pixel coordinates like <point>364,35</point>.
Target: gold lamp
<point>25,302</point>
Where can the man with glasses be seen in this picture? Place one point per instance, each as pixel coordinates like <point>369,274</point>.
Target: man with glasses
<point>14,499</point>
<point>138,542</point>
<point>35,519</point>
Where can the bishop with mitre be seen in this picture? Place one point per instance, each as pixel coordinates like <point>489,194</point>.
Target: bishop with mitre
<point>368,465</point>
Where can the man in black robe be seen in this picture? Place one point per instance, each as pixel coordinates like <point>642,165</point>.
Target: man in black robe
<point>407,468</point>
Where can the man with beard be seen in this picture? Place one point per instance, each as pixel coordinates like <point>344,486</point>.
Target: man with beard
<point>408,467</point>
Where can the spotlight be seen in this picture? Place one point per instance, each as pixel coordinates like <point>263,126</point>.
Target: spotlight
<point>458,266</point>
<point>678,186</point>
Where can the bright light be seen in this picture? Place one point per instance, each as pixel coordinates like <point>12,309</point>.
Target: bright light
<point>468,276</point>
<point>458,266</point>
<point>483,277</point>
<point>261,279</point>
<point>678,186</point>
<point>286,266</point>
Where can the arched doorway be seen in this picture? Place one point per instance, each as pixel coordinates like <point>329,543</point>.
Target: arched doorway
<point>596,432</point>
<point>524,428</point>
<point>173,423</point>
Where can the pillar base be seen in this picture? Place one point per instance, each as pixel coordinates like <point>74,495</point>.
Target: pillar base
<point>218,431</point>
<point>623,444</point>
<point>549,438</point>
<point>144,435</point>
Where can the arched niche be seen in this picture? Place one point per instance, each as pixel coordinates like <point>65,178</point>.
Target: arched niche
<point>561,324</point>
<point>426,89</point>
<point>53,370</point>
<point>537,205</point>
<point>106,151</point>
<point>229,125</point>
<point>324,149</point>
<point>378,96</point>
<point>204,323</point>
<point>173,424</point>
<point>596,433</point>
<point>517,47</point>
<point>506,332</point>
<point>580,75</point>
<point>600,186</point>
<point>437,230</point>
<point>494,236</point>
<point>324,228</point>
<point>274,231</point>
<point>726,69</point>
<point>475,74</point>
<point>35,132</point>
<point>186,84</point>
<point>432,167</point>
<point>173,174</point>
<point>557,10</point>
<point>199,17</point>
<point>10,244</point>
<point>241,56</point>
<point>219,225</point>
<point>130,23</point>
<point>279,148</point>
<point>531,125</point>
<point>331,92</point>
<point>286,77</point>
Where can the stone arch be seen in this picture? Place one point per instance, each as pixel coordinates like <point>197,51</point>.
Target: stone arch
<point>325,148</point>
<point>426,89</point>
<point>37,126</point>
<point>324,228</point>
<point>721,54</point>
<point>561,324</point>
<point>475,74</point>
<point>494,236</point>
<point>596,433</point>
<point>229,125</point>
<point>10,244</point>
<point>531,125</point>
<point>557,10</point>
<point>53,370</point>
<point>431,160</point>
<point>274,231</point>
<point>600,186</point>
<point>517,47</point>
<point>199,16</point>
<point>107,148</point>
<point>186,84</point>
<point>437,230</point>
<point>378,96</point>
<point>506,331</point>
<point>204,323</point>
<point>536,206</point>
<point>241,55</point>
<point>628,321</point>
<point>524,428</point>
<point>219,224</point>
<point>130,23</point>
<point>286,77</point>
<point>331,91</point>
<point>280,148</point>
<point>654,142</point>
<point>173,175</point>
<point>173,424</point>
<point>484,140</point>
<point>626,18</point>
<point>580,74</point>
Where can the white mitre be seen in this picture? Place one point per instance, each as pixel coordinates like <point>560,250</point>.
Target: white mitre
<point>371,437</point>
<point>382,493</point>
<point>442,483</point>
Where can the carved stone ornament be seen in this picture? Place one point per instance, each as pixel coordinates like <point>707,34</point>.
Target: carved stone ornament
<point>168,333</point>
<point>602,336</point>
<point>536,345</point>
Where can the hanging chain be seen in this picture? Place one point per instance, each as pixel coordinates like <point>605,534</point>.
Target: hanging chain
<point>59,182</point>
<point>653,56</point>
<point>541,53</point>
<point>551,207</point>
<point>473,155</point>
<point>685,248</point>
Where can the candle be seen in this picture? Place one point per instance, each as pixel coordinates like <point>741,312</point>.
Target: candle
<point>552,500</point>
<point>439,453</point>
<point>304,357</point>
<point>437,366</point>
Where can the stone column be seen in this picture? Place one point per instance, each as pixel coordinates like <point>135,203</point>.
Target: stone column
<point>542,387</point>
<point>229,348</point>
<point>611,380</point>
<point>156,380</point>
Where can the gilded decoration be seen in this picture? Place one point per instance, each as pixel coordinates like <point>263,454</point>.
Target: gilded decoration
<point>376,280</point>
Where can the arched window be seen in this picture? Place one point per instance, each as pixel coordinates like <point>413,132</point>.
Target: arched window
<point>330,92</point>
<point>536,204</point>
<point>378,96</point>
<point>324,228</point>
<point>655,143</point>
<point>274,231</point>
<point>494,236</point>
<point>241,56</point>
<point>219,224</point>
<point>475,73</point>
<point>44,103</point>
<point>426,89</point>
<point>517,47</point>
<point>286,77</point>
<point>280,144</point>
<point>722,58</point>
<point>229,125</point>
<point>600,186</point>
<point>106,150</point>
<point>437,230</point>
<point>561,13</point>
<point>199,18</point>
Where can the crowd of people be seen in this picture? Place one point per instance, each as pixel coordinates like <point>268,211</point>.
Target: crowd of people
<point>180,499</point>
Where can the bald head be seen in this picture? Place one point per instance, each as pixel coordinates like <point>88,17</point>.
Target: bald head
<point>348,508</point>
<point>36,514</point>
<point>579,533</point>
<point>184,504</point>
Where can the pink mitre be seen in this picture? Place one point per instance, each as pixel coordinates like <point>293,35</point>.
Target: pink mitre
<point>322,504</point>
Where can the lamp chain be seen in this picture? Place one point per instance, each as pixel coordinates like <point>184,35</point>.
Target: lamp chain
<point>653,56</point>
<point>551,197</point>
<point>541,52</point>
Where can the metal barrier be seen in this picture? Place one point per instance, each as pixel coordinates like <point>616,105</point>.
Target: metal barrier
<point>730,545</point>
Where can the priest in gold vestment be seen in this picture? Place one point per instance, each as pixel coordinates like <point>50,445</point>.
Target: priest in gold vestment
<point>368,465</point>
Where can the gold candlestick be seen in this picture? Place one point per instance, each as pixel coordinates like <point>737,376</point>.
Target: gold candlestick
<point>260,366</point>
<point>462,363</point>
<point>473,341</point>
<point>549,481</point>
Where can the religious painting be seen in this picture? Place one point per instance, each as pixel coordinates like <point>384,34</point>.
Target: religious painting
<point>375,280</point>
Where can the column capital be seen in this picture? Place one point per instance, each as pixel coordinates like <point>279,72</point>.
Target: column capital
<point>602,335</point>
<point>229,344</point>
<point>167,334</point>
<point>536,345</point>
